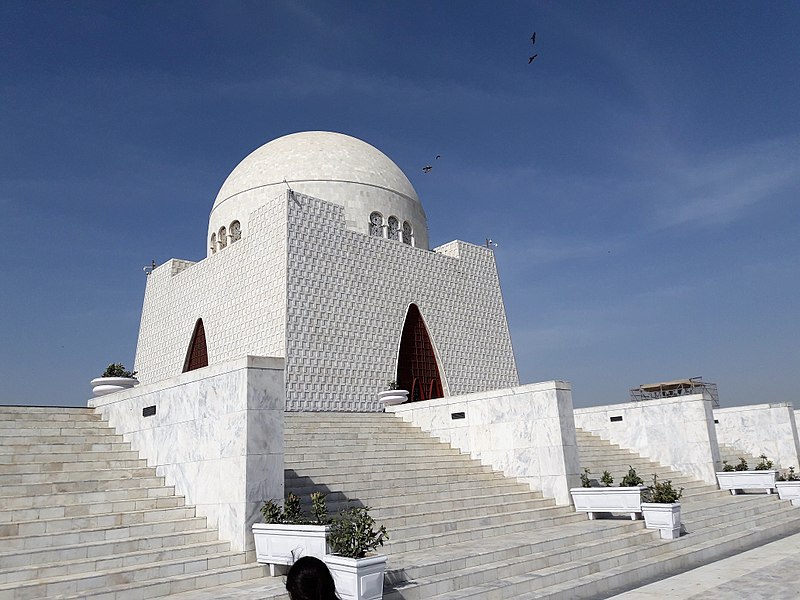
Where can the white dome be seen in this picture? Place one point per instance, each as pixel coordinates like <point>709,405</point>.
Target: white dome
<point>330,166</point>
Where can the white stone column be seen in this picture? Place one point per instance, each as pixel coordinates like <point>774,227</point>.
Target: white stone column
<point>216,435</point>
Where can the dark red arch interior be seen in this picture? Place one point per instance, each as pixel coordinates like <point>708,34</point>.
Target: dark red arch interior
<point>197,354</point>
<point>417,370</point>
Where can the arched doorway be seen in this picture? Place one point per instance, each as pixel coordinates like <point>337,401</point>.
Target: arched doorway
<point>417,370</point>
<point>197,354</point>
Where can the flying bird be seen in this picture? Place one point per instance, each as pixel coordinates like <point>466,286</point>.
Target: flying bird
<point>532,58</point>
<point>438,156</point>
<point>533,38</point>
<point>427,169</point>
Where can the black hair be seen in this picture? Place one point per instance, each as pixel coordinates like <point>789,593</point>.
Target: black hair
<point>310,579</point>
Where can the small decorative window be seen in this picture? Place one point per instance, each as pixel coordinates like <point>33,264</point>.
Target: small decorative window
<point>407,233</point>
<point>394,228</point>
<point>376,224</point>
<point>213,243</point>
<point>236,231</point>
<point>223,238</point>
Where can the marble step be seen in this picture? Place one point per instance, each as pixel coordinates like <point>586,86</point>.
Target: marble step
<point>47,413</point>
<point>59,449</point>
<point>297,456</point>
<point>106,519</point>
<point>10,433</point>
<point>401,542</point>
<point>393,461</point>
<point>65,499</point>
<point>85,473</point>
<point>83,509</point>
<point>369,471</point>
<point>529,576</point>
<point>35,460</point>
<point>477,503</point>
<point>91,485</point>
<point>376,490</point>
<point>62,567</point>
<point>627,575</point>
<point>62,466</point>
<point>66,538</point>
<point>101,549</point>
<point>456,521</point>
<point>148,580</point>
<point>21,442</point>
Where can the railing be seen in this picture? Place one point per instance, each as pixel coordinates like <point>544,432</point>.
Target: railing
<point>674,389</point>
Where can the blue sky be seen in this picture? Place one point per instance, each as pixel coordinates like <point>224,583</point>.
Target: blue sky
<point>641,177</point>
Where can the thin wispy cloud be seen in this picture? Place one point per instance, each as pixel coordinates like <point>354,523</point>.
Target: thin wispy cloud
<point>720,188</point>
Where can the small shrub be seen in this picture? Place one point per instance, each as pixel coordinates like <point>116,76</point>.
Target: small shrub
<point>742,466</point>
<point>631,479</point>
<point>764,464</point>
<point>272,513</point>
<point>291,513</point>
<point>117,370</point>
<point>661,492</point>
<point>291,510</point>
<point>585,481</point>
<point>789,476</point>
<point>392,385</point>
<point>606,479</point>
<point>727,467</point>
<point>352,533</point>
<point>319,510</point>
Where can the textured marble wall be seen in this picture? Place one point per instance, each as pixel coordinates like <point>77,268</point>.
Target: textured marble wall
<point>526,432</point>
<point>761,429</point>
<point>217,436</point>
<point>347,297</point>
<point>678,432</point>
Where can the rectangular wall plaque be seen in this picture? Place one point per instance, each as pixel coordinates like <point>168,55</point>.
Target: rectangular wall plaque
<point>615,419</point>
<point>148,411</point>
<point>458,415</point>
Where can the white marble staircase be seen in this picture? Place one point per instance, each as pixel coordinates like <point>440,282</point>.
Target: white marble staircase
<point>81,516</point>
<point>459,530</point>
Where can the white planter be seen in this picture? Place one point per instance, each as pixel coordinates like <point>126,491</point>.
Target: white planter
<point>789,490</point>
<point>392,397</point>
<point>608,499</point>
<point>284,544</point>
<point>107,385</point>
<point>747,480</point>
<point>357,578</point>
<point>665,517</point>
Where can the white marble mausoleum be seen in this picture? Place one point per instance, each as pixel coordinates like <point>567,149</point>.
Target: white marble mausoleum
<point>317,253</point>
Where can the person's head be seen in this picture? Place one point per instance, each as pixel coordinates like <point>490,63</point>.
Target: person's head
<point>310,579</point>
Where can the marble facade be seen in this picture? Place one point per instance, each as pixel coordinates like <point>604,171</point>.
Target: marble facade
<point>673,431</point>
<point>216,435</point>
<point>757,429</point>
<point>527,432</point>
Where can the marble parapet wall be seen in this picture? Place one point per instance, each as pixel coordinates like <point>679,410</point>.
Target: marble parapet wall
<point>678,432</point>
<point>758,429</point>
<point>216,435</point>
<point>527,432</point>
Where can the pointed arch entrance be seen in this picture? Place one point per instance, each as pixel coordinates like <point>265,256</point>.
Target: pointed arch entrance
<point>417,370</point>
<point>197,354</point>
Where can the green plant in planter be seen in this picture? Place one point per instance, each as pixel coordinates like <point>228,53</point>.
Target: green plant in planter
<point>319,510</point>
<point>764,464</point>
<point>117,370</point>
<point>606,479</point>
<point>742,466</point>
<point>291,513</point>
<point>585,481</point>
<point>392,385</point>
<point>727,467</point>
<point>352,533</point>
<point>790,476</point>
<point>631,479</point>
<point>661,492</point>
